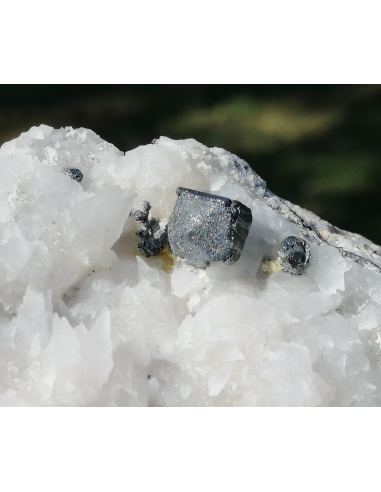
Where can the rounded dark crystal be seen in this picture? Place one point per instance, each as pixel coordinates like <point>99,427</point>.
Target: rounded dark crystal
<point>75,174</point>
<point>295,254</point>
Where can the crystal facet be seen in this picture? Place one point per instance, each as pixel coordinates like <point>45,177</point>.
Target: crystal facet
<point>295,254</point>
<point>204,228</point>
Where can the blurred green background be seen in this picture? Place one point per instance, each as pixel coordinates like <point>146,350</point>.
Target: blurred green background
<point>318,146</point>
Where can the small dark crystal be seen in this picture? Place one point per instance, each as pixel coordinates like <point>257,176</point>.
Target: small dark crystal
<point>75,174</point>
<point>295,254</point>
<point>152,238</point>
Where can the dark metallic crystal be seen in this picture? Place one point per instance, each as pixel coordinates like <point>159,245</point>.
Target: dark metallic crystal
<point>75,174</point>
<point>152,238</point>
<point>204,228</point>
<point>295,254</point>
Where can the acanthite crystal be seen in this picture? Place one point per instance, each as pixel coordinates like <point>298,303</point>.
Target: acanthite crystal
<point>204,228</point>
<point>75,174</point>
<point>295,254</point>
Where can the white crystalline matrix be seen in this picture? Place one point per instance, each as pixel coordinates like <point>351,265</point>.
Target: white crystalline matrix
<point>86,320</point>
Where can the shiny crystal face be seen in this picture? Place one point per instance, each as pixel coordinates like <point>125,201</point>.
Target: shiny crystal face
<point>75,174</point>
<point>295,254</point>
<point>205,228</point>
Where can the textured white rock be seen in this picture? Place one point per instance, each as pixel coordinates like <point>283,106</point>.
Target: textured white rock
<point>85,320</point>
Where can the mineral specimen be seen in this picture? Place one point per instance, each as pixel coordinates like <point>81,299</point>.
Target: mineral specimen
<point>75,174</point>
<point>85,318</point>
<point>295,254</point>
<point>204,228</point>
<point>152,237</point>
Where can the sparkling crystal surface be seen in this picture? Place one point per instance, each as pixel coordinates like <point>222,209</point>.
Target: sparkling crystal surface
<point>204,228</point>
<point>296,255</point>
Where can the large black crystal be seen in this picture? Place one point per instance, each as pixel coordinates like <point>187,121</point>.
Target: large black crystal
<point>204,228</point>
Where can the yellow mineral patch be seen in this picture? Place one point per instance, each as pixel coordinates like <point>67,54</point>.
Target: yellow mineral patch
<point>167,258</point>
<point>268,266</point>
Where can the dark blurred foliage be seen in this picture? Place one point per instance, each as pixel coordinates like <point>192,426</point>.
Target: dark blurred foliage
<point>317,146</point>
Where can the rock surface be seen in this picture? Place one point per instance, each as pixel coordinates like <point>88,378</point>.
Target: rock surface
<point>86,320</point>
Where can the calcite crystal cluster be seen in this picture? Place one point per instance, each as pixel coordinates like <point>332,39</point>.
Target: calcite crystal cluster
<point>85,319</point>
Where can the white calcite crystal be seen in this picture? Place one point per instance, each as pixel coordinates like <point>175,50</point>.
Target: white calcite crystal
<point>86,320</point>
